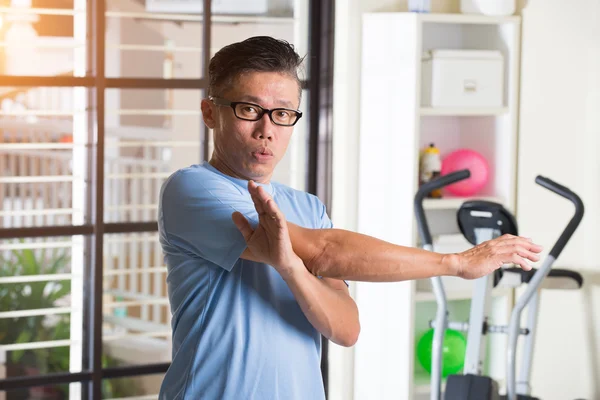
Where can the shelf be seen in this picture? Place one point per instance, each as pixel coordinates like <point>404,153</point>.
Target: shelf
<point>467,18</point>
<point>423,384</point>
<point>453,203</point>
<point>195,17</point>
<point>462,112</point>
<point>459,294</point>
<point>256,19</point>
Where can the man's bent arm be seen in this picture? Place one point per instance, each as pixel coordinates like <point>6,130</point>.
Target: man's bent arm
<point>325,302</point>
<point>327,305</point>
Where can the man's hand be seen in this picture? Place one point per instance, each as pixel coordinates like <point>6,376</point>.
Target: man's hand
<point>487,257</point>
<point>270,242</point>
<point>325,302</point>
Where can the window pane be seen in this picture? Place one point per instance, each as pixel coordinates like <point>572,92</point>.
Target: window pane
<point>145,387</point>
<point>53,392</point>
<point>279,19</point>
<point>43,158</point>
<point>137,317</point>
<point>292,169</point>
<point>149,135</point>
<point>41,305</point>
<point>51,34</point>
<point>142,43</point>
<point>224,34</point>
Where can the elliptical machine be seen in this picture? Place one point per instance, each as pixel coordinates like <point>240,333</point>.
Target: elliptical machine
<point>480,221</point>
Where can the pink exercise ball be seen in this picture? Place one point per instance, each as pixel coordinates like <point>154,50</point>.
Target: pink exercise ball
<point>474,162</point>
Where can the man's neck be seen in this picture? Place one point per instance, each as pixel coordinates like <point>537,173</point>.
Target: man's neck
<point>225,169</point>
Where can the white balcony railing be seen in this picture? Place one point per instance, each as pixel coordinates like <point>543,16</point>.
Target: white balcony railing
<point>43,182</point>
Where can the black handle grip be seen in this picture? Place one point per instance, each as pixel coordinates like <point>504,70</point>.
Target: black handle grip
<point>427,188</point>
<point>577,217</point>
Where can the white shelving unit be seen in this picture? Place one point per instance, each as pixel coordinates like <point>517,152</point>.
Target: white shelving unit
<point>422,295</point>
<point>395,126</point>
<point>463,112</point>
<point>453,203</point>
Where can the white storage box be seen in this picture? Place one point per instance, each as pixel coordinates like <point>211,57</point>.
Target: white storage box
<point>488,7</point>
<point>462,78</point>
<point>217,6</point>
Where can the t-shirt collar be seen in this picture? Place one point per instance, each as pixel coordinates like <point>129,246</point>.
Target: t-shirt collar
<point>241,182</point>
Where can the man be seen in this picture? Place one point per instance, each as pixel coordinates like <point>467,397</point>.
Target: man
<point>256,271</point>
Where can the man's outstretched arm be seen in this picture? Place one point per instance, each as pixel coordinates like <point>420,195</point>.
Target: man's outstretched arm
<point>342,254</point>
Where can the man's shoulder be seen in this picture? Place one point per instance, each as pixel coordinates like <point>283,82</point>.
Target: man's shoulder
<point>307,204</point>
<point>195,172</point>
<point>196,179</point>
<point>283,189</point>
<point>302,197</point>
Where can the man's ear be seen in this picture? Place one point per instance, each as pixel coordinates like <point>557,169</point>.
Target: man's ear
<point>208,113</point>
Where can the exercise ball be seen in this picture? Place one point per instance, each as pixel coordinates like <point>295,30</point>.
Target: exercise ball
<point>466,159</point>
<point>453,351</point>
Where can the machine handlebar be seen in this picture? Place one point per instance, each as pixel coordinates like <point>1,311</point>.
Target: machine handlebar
<point>575,220</point>
<point>427,188</point>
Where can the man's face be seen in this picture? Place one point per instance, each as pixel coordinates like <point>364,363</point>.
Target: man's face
<point>251,149</point>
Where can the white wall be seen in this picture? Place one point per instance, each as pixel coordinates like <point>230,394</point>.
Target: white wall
<point>345,170</point>
<point>560,138</point>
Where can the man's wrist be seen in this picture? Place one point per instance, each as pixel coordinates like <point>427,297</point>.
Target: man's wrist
<point>451,264</point>
<point>293,269</point>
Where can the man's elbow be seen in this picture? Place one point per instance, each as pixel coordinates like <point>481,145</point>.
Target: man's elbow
<point>320,263</point>
<point>350,336</point>
<point>314,247</point>
<point>353,337</point>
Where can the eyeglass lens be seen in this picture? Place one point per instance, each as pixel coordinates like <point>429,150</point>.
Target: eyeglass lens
<point>279,116</point>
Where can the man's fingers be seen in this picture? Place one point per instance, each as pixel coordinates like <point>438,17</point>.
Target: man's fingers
<point>273,212</point>
<point>260,197</point>
<point>521,252</point>
<point>520,261</point>
<point>529,245</point>
<point>528,255</point>
<point>264,204</point>
<point>264,199</point>
<point>516,250</point>
<point>535,247</point>
<point>243,225</point>
<point>517,255</point>
<point>252,187</point>
<point>512,243</point>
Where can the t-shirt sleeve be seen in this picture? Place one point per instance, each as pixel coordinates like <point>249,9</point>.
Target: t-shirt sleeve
<point>325,222</point>
<point>196,216</point>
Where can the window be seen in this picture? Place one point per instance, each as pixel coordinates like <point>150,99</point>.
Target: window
<point>99,104</point>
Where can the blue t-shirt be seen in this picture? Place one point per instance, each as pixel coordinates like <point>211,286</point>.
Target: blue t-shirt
<point>238,332</point>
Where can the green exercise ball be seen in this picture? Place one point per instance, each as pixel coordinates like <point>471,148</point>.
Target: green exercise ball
<point>453,351</point>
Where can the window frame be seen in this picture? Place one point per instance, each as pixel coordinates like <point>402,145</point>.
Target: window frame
<point>320,88</point>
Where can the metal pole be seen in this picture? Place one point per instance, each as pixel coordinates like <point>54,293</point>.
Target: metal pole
<point>206,56</point>
<point>95,321</point>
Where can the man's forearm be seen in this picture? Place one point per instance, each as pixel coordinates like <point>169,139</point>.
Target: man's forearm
<point>331,311</point>
<point>342,254</point>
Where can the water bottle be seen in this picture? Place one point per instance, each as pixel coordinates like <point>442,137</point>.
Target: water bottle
<point>419,6</point>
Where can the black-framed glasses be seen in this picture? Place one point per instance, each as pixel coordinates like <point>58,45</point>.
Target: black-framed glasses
<point>254,112</point>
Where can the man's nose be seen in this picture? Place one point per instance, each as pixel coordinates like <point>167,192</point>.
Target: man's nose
<point>264,128</point>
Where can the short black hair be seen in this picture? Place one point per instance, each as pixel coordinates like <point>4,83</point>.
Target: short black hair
<point>255,54</point>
